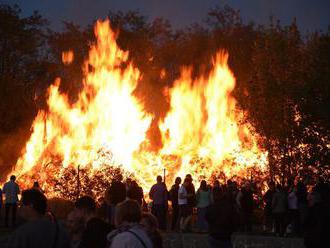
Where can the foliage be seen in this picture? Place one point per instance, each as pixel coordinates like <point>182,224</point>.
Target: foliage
<point>85,181</point>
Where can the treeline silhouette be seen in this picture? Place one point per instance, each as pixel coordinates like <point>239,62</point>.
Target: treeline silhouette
<point>282,77</point>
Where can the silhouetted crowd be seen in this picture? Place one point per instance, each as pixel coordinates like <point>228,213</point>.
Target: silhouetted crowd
<point>295,210</point>
<point>129,221</point>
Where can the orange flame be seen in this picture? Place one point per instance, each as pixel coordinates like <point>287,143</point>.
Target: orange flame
<point>203,133</point>
<point>204,124</point>
<point>67,57</point>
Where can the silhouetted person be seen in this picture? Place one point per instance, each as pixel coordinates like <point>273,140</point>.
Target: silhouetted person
<point>317,224</point>
<point>96,230</point>
<point>75,226</point>
<point>36,186</point>
<point>191,199</point>
<point>232,189</point>
<point>11,191</point>
<point>183,205</point>
<point>150,223</point>
<point>158,194</point>
<point>135,192</point>
<point>203,197</point>
<point>279,207</point>
<point>1,202</point>
<point>173,195</point>
<point>302,204</point>
<point>39,231</point>
<point>128,183</point>
<point>245,206</point>
<point>129,231</point>
<point>115,194</point>
<point>293,212</point>
<point>222,220</point>
<point>268,199</point>
<point>216,191</point>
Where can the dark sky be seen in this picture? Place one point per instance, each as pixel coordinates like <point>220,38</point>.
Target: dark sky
<point>311,14</point>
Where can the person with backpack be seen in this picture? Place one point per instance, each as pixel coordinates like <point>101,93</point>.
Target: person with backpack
<point>151,226</point>
<point>129,231</point>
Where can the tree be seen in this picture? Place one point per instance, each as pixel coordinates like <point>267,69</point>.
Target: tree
<point>21,64</point>
<point>22,67</point>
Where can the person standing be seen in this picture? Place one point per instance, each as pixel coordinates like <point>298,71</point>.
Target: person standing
<point>75,226</point>
<point>302,205</point>
<point>244,202</point>
<point>222,219</point>
<point>135,192</point>
<point>115,194</point>
<point>158,194</point>
<point>128,184</point>
<point>293,209</point>
<point>279,204</point>
<point>11,191</point>
<point>268,198</point>
<point>216,191</point>
<point>95,230</point>
<point>174,199</point>
<point>129,231</point>
<point>191,200</point>
<point>38,230</point>
<point>1,202</point>
<point>317,224</point>
<point>183,205</point>
<point>151,226</point>
<point>203,197</point>
<point>36,186</point>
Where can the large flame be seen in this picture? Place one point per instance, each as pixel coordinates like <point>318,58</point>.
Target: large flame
<point>204,124</point>
<point>204,133</point>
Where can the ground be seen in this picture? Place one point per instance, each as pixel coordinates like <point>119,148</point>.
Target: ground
<point>193,240</point>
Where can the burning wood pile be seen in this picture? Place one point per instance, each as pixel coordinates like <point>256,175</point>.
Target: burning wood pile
<point>103,132</point>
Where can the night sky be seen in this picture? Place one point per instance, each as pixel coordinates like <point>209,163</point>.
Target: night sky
<point>310,14</point>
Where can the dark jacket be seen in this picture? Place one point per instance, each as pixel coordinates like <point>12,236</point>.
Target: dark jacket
<point>279,203</point>
<point>222,218</point>
<point>95,234</point>
<point>317,226</point>
<point>116,193</point>
<point>41,233</point>
<point>247,201</point>
<point>268,198</point>
<point>173,194</point>
<point>135,193</point>
<point>191,199</point>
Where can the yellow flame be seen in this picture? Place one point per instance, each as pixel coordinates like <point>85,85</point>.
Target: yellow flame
<point>202,134</point>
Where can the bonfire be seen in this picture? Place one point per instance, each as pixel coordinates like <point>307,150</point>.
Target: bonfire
<point>204,133</point>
